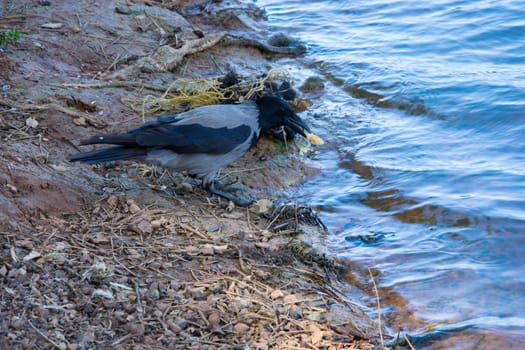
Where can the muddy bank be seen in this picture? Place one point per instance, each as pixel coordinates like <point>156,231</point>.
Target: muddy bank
<point>117,256</point>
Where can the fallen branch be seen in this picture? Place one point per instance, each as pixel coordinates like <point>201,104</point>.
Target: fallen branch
<point>116,84</point>
<point>91,120</point>
<point>166,58</point>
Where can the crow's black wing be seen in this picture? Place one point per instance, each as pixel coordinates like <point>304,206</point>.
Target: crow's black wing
<point>192,138</point>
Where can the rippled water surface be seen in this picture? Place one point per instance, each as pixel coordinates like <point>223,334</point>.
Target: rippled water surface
<point>424,172</point>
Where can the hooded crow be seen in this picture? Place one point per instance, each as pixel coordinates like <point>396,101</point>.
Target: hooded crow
<point>200,141</point>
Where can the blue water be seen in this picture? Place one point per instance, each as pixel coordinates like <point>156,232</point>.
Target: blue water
<point>423,174</point>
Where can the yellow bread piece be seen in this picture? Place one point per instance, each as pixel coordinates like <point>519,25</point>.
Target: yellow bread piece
<point>314,139</point>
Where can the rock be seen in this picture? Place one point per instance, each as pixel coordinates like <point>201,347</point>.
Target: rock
<point>197,293</point>
<point>133,208</point>
<point>214,318</point>
<point>184,188</point>
<point>174,327</point>
<point>312,84</point>
<point>136,329</point>
<point>153,291</point>
<point>156,224</point>
<point>123,10</point>
<point>213,227</point>
<point>144,227</point>
<point>281,40</point>
<point>241,328</point>
<point>277,293</point>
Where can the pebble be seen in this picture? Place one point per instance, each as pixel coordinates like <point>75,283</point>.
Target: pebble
<point>277,293</point>
<point>145,227</point>
<point>184,188</point>
<point>137,329</point>
<point>123,10</point>
<point>133,208</point>
<point>175,328</point>
<point>198,293</point>
<point>312,84</point>
<point>214,319</point>
<point>213,227</point>
<point>156,223</point>
<point>153,291</point>
<point>241,328</point>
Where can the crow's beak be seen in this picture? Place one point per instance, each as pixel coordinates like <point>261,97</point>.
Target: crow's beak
<point>297,124</point>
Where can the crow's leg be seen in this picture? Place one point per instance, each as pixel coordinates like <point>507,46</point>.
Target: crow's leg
<point>238,201</point>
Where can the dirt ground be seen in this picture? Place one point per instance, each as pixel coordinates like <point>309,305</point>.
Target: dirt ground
<point>126,256</point>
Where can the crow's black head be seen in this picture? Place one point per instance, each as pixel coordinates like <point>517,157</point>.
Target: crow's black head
<point>274,113</point>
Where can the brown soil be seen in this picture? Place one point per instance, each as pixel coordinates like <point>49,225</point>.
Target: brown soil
<point>117,256</point>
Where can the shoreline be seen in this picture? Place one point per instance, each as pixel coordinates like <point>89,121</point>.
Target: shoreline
<point>129,265</point>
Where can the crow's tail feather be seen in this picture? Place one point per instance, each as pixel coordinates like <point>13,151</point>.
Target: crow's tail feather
<point>116,139</point>
<point>108,154</point>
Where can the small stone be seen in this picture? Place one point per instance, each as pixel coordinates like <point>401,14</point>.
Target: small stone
<point>312,84</point>
<point>281,40</point>
<point>241,328</point>
<point>133,208</point>
<point>76,29</point>
<point>148,340</point>
<point>296,312</point>
<point>144,227</point>
<point>213,228</point>
<point>153,291</point>
<point>198,293</point>
<point>123,10</point>
<point>156,223</point>
<point>182,323</point>
<point>277,293</point>
<point>214,319</point>
<point>136,329</point>
<point>175,328</point>
<point>184,188</point>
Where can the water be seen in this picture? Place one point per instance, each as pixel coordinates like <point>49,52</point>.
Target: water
<point>424,171</point>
